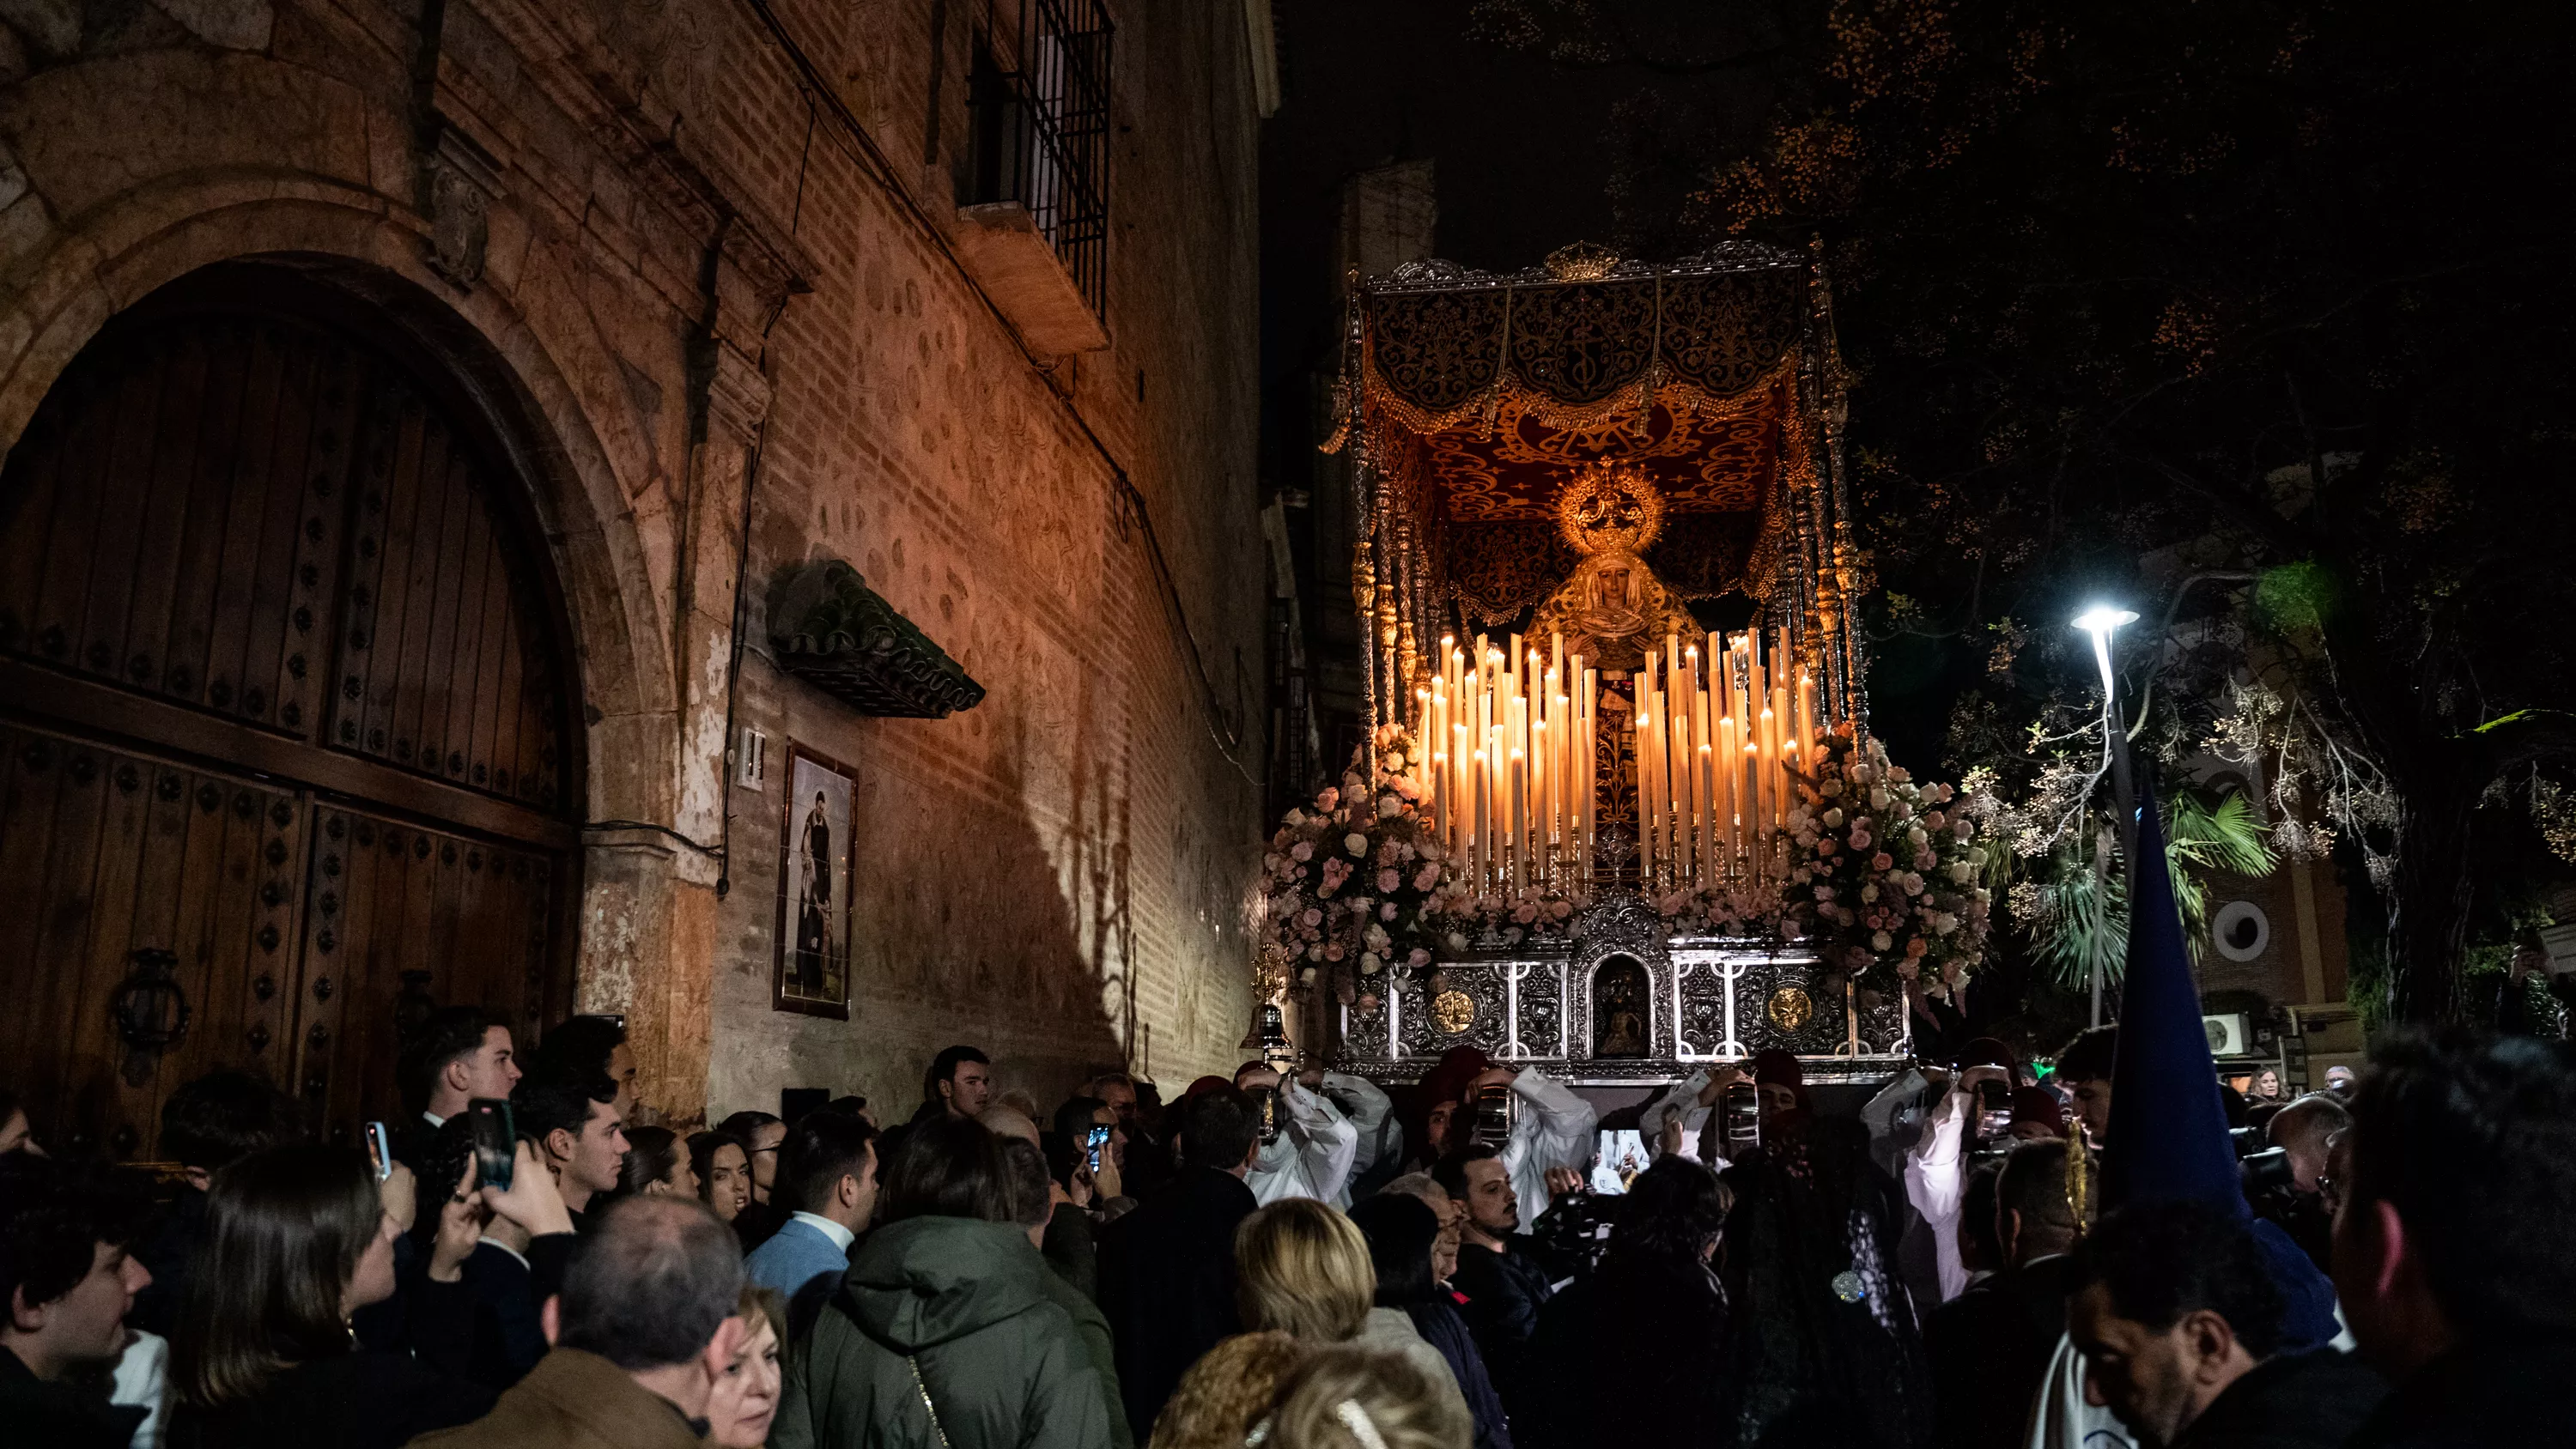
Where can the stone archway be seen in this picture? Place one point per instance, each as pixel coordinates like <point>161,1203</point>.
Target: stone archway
<point>289,703</point>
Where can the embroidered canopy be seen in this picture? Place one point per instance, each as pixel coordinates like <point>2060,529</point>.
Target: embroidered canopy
<point>1471,399</point>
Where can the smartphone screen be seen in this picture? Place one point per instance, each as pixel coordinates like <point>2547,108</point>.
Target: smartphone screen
<point>380,1150</point>
<point>496,1141</point>
<point>1093,1144</point>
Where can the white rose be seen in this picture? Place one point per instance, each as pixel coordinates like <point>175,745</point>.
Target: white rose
<point>1960,872</point>
<point>1878,799</point>
<point>1869,892</point>
<point>1315,952</point>
<point>1389,806</point>
<point>1369,964</point>
<point>1457,941</point>
<point>1295,818</point>
<point>1355,843</point>
<point>1915,833</point>
<point>1880,940</point>
<point>1834,818</point>
<point>1307,975</point>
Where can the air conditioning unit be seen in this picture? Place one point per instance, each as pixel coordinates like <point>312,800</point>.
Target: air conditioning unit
<point>2231,1035</point>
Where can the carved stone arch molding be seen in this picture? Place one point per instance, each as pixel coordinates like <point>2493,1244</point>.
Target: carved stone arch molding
<point>1623,926</point>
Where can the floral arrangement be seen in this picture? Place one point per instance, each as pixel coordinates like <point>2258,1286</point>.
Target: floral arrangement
<point>1884,872</point>
<point>1464,919</point>
<point>1728,908</point>
<point>1348,883</point>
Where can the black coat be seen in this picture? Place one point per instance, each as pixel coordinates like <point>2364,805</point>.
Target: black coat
<point>1989,1348</point>
<point>1647,1334</point>
<point>1441,1327</point>
<point>58,1415</point>
<point>2508,1392</point>
<point>2310,1400</point>
<point>1167,1283</point>
<point>1504,1292</point>
<point>352,1401</point>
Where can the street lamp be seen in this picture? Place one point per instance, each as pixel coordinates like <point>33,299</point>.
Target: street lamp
<point>2102,621</point>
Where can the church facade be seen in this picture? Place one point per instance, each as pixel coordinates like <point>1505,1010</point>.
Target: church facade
<point>428,421</point>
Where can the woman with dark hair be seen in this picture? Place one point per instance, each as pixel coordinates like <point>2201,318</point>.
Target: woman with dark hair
<point>942,1331</point>
<point>1651,1318</point>
<point>297,1240</point>
<point>722,1163</point>
<point>1402,1233</point>
<point>656,1165</point>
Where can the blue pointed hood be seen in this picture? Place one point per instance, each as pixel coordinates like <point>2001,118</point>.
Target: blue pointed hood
<point>2168,1128</point>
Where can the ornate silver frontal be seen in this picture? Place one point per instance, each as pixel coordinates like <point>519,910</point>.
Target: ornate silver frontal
<point>1621,1001</point>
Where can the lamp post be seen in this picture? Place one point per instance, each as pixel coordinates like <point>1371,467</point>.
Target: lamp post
<point>2102,621</point>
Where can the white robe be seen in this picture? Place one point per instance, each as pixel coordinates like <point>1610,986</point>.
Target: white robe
<point>1311,1156</point>
<point>1555,1130</point>
<point>1371,1115</point>
<point>1937,1184</point>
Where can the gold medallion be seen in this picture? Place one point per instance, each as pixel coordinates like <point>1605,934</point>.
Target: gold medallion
<point>1453,1012</point>
<point>1790,1009</point>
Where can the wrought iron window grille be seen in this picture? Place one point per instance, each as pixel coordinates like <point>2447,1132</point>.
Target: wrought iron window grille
<point>1041,130</point>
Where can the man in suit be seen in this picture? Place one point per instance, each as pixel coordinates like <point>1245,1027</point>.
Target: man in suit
<point>827,1173</point>
<point>1990,1346</point>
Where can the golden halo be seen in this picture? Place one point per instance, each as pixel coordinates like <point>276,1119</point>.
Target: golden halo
<point>1610,508</point>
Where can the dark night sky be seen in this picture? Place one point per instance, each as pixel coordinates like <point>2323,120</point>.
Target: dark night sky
<point>1518,145</point>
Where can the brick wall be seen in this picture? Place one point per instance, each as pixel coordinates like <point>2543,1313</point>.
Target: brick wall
<point>1058,874</point>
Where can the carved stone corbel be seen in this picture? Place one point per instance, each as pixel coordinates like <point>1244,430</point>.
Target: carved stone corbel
<point>460,181</point>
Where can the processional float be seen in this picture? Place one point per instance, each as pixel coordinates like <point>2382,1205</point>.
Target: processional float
<point>1606,568</point>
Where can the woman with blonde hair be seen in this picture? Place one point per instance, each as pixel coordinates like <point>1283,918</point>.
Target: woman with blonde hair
<point>745,1400</point>
<point>1304,1269</point>
<point>1354,1398</point>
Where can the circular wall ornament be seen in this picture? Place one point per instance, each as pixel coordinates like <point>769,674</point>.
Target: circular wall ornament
<point>1453,1012</point>
<point>2240,930</point>
<point>1790,1009</point>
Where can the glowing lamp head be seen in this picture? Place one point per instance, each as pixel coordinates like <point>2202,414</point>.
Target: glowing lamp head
<point>2103,618</point>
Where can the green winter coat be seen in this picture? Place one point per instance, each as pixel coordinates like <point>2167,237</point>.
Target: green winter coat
<point>966,1303</point>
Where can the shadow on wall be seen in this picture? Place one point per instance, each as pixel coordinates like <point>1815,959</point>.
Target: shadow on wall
<point>988,913</point>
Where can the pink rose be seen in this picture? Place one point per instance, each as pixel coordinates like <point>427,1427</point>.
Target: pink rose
<point>1882,861</point>
<point>1333,952</point>
<point>1417,957</point>
<point>1302,851</point>
<point>1310,917</point>
<point>1860,840</point>
<point>1427,877</point>
<point>1916,946</point>
<point>1562,910</point>
<point>1527,912</point>
<point>1327,798</point>
<point>1386,912</point>
<point>1388,880</point>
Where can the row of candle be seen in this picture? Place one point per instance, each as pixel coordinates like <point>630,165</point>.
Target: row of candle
<point>1510,734</point>
<point>1718,735</point>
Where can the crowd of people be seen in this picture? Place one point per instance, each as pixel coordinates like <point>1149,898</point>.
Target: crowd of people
<point>1297,1260</point>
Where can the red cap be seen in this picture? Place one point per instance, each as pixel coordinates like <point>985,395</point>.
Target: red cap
<point>1206,1084</point>
<point>2040,1105</point>
<point>1777,1068</point>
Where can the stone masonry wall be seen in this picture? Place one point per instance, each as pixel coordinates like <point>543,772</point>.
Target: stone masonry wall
<point>672,270</point>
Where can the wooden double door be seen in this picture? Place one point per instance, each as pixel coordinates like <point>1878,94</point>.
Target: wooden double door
<point>285,753</point>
